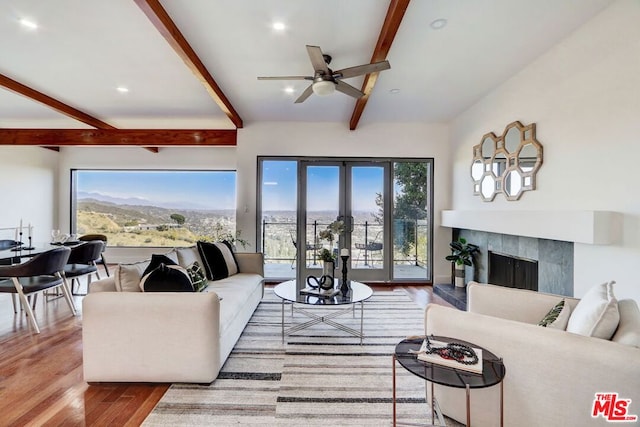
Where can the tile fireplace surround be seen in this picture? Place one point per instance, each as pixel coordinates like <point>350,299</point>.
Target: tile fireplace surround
<point>555,258</point>
<point>545,236</point>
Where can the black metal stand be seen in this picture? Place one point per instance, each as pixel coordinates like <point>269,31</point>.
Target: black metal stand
<point>344,287</point>
<point>20,245</point>
<point>30,247</point>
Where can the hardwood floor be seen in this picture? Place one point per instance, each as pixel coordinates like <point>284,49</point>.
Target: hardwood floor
<point>41,374</point>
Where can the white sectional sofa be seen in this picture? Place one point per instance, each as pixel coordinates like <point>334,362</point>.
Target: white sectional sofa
<point>552,375</point>
<point>167,336</point>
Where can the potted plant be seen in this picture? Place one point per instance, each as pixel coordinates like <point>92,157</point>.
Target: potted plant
<point>461,255</point>
<point>328,255</point>
<point>328,261</point>
<point>335,228</point>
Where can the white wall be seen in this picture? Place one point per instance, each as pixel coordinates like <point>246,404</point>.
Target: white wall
<point>335,139</point>
<point>584,97</point>
<point>28,190</point>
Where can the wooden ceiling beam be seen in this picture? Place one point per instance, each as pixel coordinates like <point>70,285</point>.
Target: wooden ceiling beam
<point>169,30</point>
<point>392,22</point>
<point>149,139</point>
<point>54,104</point>
<point>50,102</point>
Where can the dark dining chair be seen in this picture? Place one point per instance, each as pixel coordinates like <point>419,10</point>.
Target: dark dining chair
<point>101,259</point>
<point>42,272</point>
<point>82,262</point>
<point>5,245</point>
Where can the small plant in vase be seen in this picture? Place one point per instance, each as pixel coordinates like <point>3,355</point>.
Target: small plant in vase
<point>329,255</point>
<point>328,261</point>
<point>461,255</point>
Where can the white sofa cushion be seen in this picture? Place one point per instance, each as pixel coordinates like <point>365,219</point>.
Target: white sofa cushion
<point>233,292</point>
<point>596,315</point>
<point>628,331</point>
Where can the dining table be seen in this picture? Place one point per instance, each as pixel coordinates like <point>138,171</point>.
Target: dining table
<point>16,254</point>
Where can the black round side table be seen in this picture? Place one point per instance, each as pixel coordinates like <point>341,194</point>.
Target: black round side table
<point>493,372</point>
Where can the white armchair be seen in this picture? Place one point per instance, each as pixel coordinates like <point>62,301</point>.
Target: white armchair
<point>552,375</point>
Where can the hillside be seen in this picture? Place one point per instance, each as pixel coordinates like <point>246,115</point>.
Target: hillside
<point>131,225</point>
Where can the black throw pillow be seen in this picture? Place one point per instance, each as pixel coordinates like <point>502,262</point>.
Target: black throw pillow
<point>156,260</point>
<point>219,260</point>
<point>166,278</point>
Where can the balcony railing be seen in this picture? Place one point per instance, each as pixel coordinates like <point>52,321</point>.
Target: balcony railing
<point>279,243</point>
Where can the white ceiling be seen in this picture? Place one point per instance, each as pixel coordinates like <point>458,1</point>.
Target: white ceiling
<point>84,49</point>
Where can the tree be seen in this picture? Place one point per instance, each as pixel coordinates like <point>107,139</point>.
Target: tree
<point>410,203</point>
<point>179,219</point>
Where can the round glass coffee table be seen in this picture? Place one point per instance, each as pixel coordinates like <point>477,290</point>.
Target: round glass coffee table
<point>358,293</point>
<point>493,372</point>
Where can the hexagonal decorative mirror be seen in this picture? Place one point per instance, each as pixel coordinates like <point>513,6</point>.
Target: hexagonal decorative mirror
<point>506,164</point>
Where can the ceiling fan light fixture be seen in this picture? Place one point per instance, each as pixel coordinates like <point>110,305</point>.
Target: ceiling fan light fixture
<point>323,88</point>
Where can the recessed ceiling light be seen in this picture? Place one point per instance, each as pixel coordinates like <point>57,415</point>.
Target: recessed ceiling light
<point>288,89</point>
<point>122,89</point>
<point>395,91</point>
<point>29,24</point>
<point>279,26</point>
<point>438,24</point>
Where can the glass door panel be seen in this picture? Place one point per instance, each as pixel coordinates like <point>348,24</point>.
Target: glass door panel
<point>366,210</point>
<point>279,181</point>
<point>322,206</point>
<point>411,230</point>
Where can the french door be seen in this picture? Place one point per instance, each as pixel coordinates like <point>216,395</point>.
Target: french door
<point>384,206</point>
<point>345,205</point>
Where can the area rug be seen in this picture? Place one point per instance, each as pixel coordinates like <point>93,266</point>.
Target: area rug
<point>318,376</point>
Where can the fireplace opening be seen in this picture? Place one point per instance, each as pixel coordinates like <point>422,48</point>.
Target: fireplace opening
<point>513,272</point>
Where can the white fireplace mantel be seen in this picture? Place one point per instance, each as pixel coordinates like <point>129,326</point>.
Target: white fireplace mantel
<point>590,227</point>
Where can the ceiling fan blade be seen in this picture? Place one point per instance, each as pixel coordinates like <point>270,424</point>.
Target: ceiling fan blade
<point>307,93</point>
<point>359,70</point>
<point>348,89</point>
<point>286,78</point>
<point>317,59</point>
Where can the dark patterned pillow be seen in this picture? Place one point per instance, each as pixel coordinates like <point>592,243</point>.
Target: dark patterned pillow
<point>219,260</point>
<point>155,262</point>
<point>557,317</point>
<point>167,278</point>
<point>197,276</point>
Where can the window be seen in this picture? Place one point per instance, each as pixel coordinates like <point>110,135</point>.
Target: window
<point>154,208</point>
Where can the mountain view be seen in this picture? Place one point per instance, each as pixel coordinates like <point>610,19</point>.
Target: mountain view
<point>147,225</point>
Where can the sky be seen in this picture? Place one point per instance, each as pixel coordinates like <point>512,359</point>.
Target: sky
<point>217,189</point>
<point>280,187</point>
<point>202,189</point>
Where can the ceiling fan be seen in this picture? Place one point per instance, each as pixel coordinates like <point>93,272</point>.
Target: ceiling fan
<point>325,80</point>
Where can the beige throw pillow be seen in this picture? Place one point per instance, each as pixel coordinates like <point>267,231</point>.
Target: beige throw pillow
<point>127,276</point>
<point>628,332</point>
<point>596,315</point>
<point>187,256</point>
